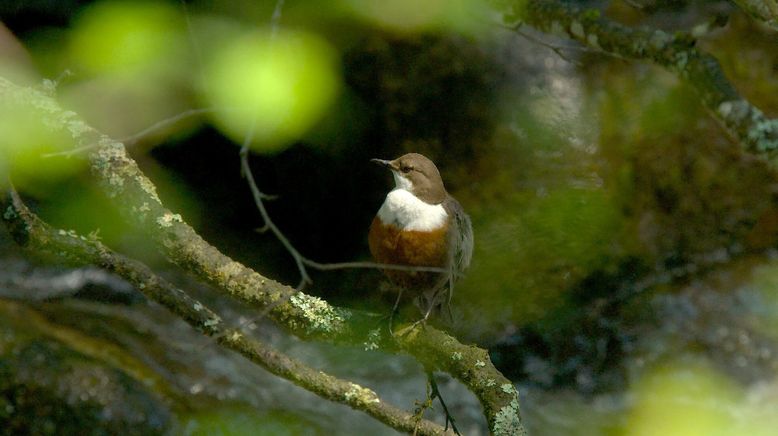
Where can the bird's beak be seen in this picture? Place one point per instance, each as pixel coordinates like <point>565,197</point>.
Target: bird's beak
<point>383,163</point>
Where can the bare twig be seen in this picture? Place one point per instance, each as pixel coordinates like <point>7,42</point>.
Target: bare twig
<point>139,135</point>
<point>259,198</point>
<point>370,265</point>
<point>33,233</point>
<point>559,50</point>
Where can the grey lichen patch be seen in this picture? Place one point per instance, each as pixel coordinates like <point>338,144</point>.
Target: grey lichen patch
<point>507,421</point>
<point>373,337</point>
<point>681,60</point>
<point>105,161</point>
<point>77,127</point>
<point>764,134</point>
<point>9,214</point>
<point>480,363</point>
<point>319,315</point>
<point>110,160</point>
<point>141,210</point>
<point>198,307</point>
<point>456,355</point>
<point>212,322</point>
<point>359,395</point>
<point>148,187</point>
<point>48,87</point>
<point>734,111</point>
<point>167,219</point>
<point>659,40</point>
<point>761,132</point>
<point>71,233</point>
<point>490,382</point>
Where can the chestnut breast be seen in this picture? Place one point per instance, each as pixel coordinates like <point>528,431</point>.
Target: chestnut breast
<point>407,231</point>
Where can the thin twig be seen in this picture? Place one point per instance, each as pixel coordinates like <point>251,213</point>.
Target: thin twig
<point>558,49</point>
<point>129,140</point>
<point>555,48</point>
<point>259,198</point>
<point>371,265</point>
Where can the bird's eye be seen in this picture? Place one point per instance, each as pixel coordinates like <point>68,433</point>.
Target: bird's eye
<point>406,169</point>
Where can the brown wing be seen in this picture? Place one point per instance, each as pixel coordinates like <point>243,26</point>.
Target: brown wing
<point>460,241</point>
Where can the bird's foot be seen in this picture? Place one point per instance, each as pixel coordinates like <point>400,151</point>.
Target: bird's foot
<point>432,393</point>
<point>406,330</point>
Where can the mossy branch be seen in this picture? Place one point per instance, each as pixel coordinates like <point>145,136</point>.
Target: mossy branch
<point>30,232</point>
<point>303,315</point>
<point>747,124</point>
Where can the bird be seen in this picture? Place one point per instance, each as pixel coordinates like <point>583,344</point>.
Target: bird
<point>420,224</point>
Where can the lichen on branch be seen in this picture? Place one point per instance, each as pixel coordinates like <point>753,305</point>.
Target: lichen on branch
<point>32,233</point>
<point>676,52</point>
<point>134,195</point>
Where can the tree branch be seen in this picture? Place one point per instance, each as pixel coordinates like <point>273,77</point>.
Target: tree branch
<point>765,11</point>
<point>757,133</point>
<point>306,316</point>
<point>28,230</point>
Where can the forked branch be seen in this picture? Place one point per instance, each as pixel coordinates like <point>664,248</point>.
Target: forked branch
<point>34,234</point>
<point>306,316</point>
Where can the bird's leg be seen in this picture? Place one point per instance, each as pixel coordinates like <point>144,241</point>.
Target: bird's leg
<point>433,393</point>
<point>394,311</point>
<point>426,305</point>
<point>421,322</point>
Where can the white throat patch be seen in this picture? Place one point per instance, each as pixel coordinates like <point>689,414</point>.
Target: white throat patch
<point>400,182</point>
<point>406,211</point>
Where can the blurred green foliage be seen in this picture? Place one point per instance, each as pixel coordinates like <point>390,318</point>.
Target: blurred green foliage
<point>276,86</point>
<point>127,38</point>
<point>24,144</point>
<point>689,398</point>
<point>461,16</point>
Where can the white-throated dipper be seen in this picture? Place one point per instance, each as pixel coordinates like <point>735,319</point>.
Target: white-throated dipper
<point>420,224</point>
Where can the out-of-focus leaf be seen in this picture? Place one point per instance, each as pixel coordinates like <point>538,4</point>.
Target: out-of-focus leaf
<point>276,86</point>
